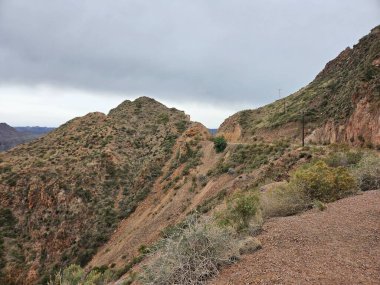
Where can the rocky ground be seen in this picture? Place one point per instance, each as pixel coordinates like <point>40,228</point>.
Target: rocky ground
<point>340,245</point>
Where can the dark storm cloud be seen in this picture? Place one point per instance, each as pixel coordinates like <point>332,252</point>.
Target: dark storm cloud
<point>212,51</point>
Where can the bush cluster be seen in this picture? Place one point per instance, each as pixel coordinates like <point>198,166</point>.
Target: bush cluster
<point>367,172</point>
<point>283,200</point>
<point>220,144</point>
<point>191,257</point>
<point>242,209</point>
<point>344,158</point>
<point>321,182</point>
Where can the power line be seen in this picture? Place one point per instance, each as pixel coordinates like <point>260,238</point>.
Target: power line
<point>279,97</point>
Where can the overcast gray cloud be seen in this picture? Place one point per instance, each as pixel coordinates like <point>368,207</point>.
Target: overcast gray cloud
<point>213,52</point>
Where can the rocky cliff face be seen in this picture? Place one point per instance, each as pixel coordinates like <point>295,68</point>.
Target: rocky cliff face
<point>341,105</point>
<point>67,191</point>
<point>362,128</point>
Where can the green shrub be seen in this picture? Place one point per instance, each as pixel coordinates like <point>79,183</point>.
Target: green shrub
<point>241,210</point>
<point>192,257</point>
<point>318,181</point>
<point>163,119</point>
<point>220,144</point>
<point>181,126</point>
<point>367,172</point>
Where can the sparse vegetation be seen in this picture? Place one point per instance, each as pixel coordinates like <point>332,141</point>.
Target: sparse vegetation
<point>86,176</point>
<point>8,231</point>
<point>246,158</point>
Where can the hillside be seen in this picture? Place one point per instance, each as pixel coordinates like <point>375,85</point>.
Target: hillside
<point>97,189</point>
<point>66,191</point>
<point>105,191</point>
<point>342,104</point>
<point>10,137</point>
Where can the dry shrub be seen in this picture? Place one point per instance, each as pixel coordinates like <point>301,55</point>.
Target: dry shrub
<point>367,172</point>
<point>192,257</point>
<point>283,200</point>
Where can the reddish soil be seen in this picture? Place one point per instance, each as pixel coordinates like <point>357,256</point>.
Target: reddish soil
<point>340,245</point>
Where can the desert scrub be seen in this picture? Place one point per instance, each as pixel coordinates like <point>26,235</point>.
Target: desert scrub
<point>345,158</point>
<point>75,275</point>
<point>7,231</point>
<point>253,156</point>
<point>367,172</point>
<point>192,257</point>
<point>318,181</point>
<point>242,209</point>
<point>283,200</point>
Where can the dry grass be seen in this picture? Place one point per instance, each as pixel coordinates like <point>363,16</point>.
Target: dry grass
<point>283,200</point>
<point>367,172</point>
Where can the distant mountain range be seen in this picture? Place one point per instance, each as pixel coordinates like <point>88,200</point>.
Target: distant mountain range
<point>10,137</point>
<point>34,130</point>
<point>213,131</point>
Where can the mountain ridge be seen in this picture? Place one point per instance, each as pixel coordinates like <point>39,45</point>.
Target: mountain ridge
<point>52,184</point>
<point>341,105</point>
<point>102,187</point>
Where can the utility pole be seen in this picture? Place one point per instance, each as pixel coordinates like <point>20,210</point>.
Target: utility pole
<point>279,97</point>
<point>303,128</point>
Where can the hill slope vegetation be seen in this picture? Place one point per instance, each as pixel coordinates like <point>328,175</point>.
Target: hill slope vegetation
<point>102,190</point>
<point>67,191</point>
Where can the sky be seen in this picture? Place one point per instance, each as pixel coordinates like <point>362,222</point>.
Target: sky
<point>64,58</point>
